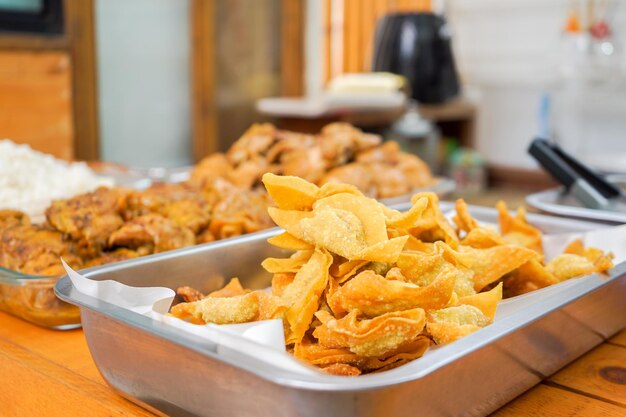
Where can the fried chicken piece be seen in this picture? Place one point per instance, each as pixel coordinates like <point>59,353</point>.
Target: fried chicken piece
<point>388,180</point>
<point>89,218</point>
<point>356,174</point>
<point>416,171</point>
<point>288,142</point>
<point>341,141</point>
<point>388,152</point>
<point>305,163</point>
<point>182,203</point>
<point>240,212</point>
<point>153,231</point>
<point>211,167</point>
<point>248,174</point>
<point>360,140</point>
<point>116,255</point>
<point>254,142</point>
<point>35,250</point>
<point>189,294</point>
<point>13,218</point>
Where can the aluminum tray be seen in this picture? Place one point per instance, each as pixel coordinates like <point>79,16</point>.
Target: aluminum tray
<point>555,201</point>
<point>167,369</point>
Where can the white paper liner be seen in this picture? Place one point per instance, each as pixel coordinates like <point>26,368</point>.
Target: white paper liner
<point>265,341</point>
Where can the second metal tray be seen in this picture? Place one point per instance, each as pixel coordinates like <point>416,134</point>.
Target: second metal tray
<point>169,370</point>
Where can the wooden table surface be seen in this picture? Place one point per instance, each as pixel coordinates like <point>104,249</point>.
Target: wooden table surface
<point>50,373</point>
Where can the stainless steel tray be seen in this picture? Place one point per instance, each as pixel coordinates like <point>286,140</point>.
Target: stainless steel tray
<point>554,201</point>
<point>167,369</point>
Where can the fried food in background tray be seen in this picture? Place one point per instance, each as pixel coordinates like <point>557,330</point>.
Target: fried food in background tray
<point>369,288</point>
<point>114,224</point>
<point>223,198</point>
<point>340,153</point>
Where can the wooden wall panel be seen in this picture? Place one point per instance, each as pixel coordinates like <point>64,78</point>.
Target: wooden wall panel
<point>36,101</point>
<point>356,29</point>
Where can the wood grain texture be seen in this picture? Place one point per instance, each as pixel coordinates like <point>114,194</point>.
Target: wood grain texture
<point>80,29</point>
<point>554,402</point>
<point>204,121</point>
<point>35,101</point>
<point>619,339</point>
<point>292,48</point>
<point>39,375</point>
<point>601,373</point>
<point>51,373</point>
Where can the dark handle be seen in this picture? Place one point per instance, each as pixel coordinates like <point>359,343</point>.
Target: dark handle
<point>541,150</point>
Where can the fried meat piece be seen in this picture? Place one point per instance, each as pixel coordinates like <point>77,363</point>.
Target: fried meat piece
<point>13,218</point>
<point>117,255</point>
<point>154,232</point>
<point>89,218</point>
<point>189,294</point>
<point>356,174</point>
<point>184,204</point>
<point>211,167</point>
<point>254,142</point>
<point>240,212</point>
<point>35,250</point>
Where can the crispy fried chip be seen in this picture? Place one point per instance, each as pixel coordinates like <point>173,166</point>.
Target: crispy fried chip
<point>516,230</point>
<point>289,220</point>
<point>290,193</point>
<point>291,264</point>
<point>452,323</point>
<point>567,265</point>
<point>421,268</point>
<point>463,219</point>
<point>433,225</point>
<point>367,210</point>
<point>373,295</point>
<point>371,337</point>
<point>302,296</point>
<point>487,301</point>
<point>288,241</point>
<point>256,305</point>
<point>410,218</point>
<point>529,277</point>
<point>490,264</point>
<point>342,369</point>
<point>232,289</point>
<point>601,260</point>
<point>346,270</point>
<point>482,238</point>
<point>280,281</point>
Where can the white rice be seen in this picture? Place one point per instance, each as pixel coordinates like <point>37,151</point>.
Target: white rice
<point>30,180</point>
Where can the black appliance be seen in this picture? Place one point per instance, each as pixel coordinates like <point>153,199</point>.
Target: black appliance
<point>418,46</point>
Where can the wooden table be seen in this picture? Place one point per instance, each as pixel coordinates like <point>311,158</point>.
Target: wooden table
<point>50,373</point>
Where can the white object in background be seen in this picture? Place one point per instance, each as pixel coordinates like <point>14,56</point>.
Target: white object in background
<point>329,104</point>
<point>366,82</point>
<point>30,180</point>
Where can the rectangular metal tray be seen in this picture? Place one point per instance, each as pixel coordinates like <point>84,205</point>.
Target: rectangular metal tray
<point>167,369</point>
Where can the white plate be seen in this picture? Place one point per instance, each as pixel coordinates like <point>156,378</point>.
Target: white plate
<point>554,201</point>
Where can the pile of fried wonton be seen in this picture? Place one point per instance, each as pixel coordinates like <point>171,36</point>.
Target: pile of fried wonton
<point>369,288</point>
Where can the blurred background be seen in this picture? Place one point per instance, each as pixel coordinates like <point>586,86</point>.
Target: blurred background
<point>163,83</point>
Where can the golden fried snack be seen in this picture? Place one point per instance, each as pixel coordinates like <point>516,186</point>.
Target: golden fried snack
<point>154,232</point>
<point>35,250</point>
<point>90,218</point>
<point>253,306</point>
<point>373,294</point>
<point>189,294</point>
<point>516,230</point>
<point>370,337</point>
<point>369,288</point>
